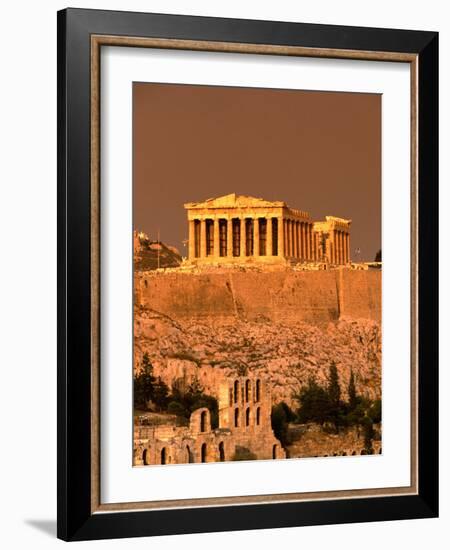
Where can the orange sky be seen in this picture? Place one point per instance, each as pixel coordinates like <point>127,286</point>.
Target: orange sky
<point>318,151</point>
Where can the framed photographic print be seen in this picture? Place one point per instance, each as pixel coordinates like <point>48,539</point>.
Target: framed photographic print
<point>247,252</point>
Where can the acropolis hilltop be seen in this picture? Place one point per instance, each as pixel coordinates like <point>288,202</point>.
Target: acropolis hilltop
<point>243,229</point>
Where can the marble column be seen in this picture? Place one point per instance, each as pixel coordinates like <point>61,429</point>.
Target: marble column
<point>338,247</point>
<point>286,232</point>
<point>296,241</point>
<point>286,238</point>
<point>347,246</point>
<point>216,251</point>
<point>229,238</point>
<point>291,238</point>
<point>255,236</point>
<point>286,251</point>
<point>191,253</point>
<point>242,237</point>
<point>294,244</point>
<point>303,235</point>
<point>308,244</point>
<point>334,246</point>
<point>202,238</point>
<point>269,237</point>
<point>280,232</point>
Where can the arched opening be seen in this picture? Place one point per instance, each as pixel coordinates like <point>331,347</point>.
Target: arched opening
<point>363,452</point>
<point>379,452</point>
<point>258,416</point>
<point>247,417</point>
<point>189,455</point>
<point>258,390</point>
<point>221,452</point>
<point>344,454</point>
<point>203,421</point>
<point>236,391</point>
<point>274,451</point>
<point>247,391</point>
<point>163,456</point>
<point>236,418</point>
<point>203,452</point>
<point>145,457</point>
<point>354,453</point>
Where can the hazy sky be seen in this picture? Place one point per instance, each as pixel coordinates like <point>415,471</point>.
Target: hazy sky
<point>317,151</point>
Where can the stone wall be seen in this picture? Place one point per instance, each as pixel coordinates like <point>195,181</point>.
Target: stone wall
<point>310,440</point>
<point>285,295</point>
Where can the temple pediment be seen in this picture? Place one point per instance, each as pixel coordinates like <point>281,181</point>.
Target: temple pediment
<point>235,201</point>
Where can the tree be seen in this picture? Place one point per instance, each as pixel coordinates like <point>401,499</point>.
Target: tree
<point>375,411</point>
<point>352,397</point>
<point>335,411</point>
<point>368,433</point>
<point>243,453</point>
<point>334,389</point>
<point>314,403</point>
<point>184,401</point>
<point>160,394</point>
<point>280,419</point>
<point>144,383</point>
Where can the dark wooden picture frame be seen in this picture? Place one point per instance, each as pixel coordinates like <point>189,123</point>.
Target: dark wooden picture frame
<point>81,34</point>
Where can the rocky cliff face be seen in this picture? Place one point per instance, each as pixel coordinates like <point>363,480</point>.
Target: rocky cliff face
<point>286,354</point>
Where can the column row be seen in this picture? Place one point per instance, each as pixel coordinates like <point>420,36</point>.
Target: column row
<point>340,247</point>
<point>300,240</point>
<point>236,237</point>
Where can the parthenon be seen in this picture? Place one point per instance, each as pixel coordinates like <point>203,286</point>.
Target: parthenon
<point>238,228</point>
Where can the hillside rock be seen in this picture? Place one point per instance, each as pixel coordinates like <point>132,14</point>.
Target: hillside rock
<point>285,354</point>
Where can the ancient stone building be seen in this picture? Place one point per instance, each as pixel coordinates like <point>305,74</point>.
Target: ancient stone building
<point>244,423</point>
<point>237,228</point>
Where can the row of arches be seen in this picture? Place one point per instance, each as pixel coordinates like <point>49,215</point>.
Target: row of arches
<point>353,453</point>
<point>246,392</point>
<point>164,457</point>
<point>247,417</point>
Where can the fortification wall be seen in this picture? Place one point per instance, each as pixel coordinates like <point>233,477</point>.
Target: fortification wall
<point>359,294</point>
<point>285,295</point>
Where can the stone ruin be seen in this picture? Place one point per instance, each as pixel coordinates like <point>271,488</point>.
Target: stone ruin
<point>245,406</point>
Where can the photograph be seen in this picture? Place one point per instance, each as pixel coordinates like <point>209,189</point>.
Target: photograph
<point>257,274</point>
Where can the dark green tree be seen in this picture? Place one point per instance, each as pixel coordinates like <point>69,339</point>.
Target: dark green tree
<point>335,411</point>
<point>160,394</point>
<point>368,433</point>
<point>280,416</point>
<point>243,453</point>
<point>352,397</point>
<point>334,389</point>
<point>144,383</point>
<point>375,411</point>
<point>185,400</point>
<point>314,403</point>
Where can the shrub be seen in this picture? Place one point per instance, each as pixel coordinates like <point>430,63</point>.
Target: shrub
<point>242,453</point>
<point>280,416</point>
